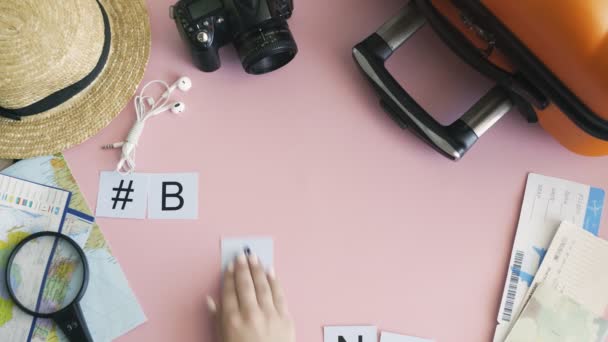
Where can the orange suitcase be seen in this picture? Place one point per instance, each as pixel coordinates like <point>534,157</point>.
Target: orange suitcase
<point>548,59</point>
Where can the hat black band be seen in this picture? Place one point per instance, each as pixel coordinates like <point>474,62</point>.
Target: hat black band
<point>63,95</point>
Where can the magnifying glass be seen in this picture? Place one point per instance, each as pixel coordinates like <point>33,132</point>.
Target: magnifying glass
<point>46,276</point>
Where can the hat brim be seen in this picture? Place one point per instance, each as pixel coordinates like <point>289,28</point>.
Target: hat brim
<point>87,113</point>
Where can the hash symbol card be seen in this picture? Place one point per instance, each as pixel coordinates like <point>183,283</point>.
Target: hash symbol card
<point>122,196</point>
<point>350,334</point>
<point>262,247</point>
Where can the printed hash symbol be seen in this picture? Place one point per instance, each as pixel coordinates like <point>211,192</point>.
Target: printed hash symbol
<point>119,194</point>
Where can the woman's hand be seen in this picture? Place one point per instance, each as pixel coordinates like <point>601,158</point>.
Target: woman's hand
<point>253,308</point>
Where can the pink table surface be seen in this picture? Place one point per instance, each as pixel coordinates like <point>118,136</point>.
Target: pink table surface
<point>371,226</point>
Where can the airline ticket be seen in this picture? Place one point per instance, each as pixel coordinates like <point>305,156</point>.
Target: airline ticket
<point>547,202</point>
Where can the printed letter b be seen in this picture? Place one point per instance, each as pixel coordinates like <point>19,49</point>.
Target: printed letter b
<point>176,195</point>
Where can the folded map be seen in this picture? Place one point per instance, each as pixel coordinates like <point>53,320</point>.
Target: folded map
<point>550,316</point>
<point>576,265</point>
<point>109,305</point>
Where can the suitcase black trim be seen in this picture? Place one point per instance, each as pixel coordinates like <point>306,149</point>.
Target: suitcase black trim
<point>533,69</point>
<point>521,91</point>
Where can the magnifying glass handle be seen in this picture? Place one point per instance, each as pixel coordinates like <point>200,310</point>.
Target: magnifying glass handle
<point>71,321</point>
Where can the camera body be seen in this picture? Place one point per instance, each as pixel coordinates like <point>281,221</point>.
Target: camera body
<point>257,28</point>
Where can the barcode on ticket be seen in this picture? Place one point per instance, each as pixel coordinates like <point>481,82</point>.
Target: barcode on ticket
<point>518,261</point>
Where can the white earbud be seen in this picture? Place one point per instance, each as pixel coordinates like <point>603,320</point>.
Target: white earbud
<point>178,107</point>
<point>184,84</point>
<point>175,108</point>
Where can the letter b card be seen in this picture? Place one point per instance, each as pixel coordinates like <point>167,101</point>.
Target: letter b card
<point>166,196</point>
<point>173,196</point>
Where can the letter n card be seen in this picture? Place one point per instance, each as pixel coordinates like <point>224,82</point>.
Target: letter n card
<point>173,196</point>
<point>350,334</point>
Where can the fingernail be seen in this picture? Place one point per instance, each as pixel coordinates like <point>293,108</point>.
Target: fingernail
<point>271,273</point>
<point>253,259</point>
<point>241,259</point>
<point>211,305</point>
<point>231,266</point>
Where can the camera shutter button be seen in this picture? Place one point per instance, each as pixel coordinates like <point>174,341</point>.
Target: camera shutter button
<point>203,37</point>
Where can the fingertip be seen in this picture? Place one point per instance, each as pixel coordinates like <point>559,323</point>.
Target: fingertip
<point>241,258</point>
<point>211,305</point>
<point>254,260</point>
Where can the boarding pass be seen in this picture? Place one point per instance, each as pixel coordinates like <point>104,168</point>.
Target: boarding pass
<point>547,202</point>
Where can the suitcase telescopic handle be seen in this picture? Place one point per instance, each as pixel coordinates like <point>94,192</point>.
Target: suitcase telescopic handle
<point>453,140</point>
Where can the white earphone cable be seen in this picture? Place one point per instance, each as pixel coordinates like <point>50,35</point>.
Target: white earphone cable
<point>145,109</point>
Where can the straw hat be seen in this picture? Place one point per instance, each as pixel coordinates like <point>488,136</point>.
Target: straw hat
<point>67,68</point>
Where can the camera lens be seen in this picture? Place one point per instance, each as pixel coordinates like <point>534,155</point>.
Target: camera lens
<point>267,47</point>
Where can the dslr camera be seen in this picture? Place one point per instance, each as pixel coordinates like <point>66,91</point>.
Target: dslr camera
<point>257,28</point>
